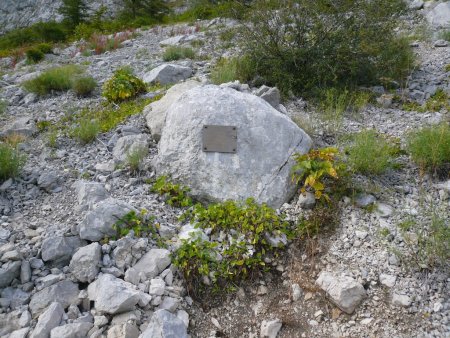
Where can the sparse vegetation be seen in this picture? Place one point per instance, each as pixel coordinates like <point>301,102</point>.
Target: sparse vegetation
<point>83,85</point>
<point>227,70</point>
<point>86,131</point>
<point>142,225</point>
<point>245,228</point>
<point>123,86</point>
<point>34,55</point>
<point>11,161</point>
<point>177,52</point>
<point>55,79</point>
<point>430,148</point>
<point>3,106</point>
<point>174,194</point>
<point>440,100</point>
<point>135,158</point>
<point>371,153</point>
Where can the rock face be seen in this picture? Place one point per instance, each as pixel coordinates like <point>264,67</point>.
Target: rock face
<point>165,325</point>
<point>344,291</point>
<point>439,16</point>
<point>85,262</point>
<point>155,112</point>
<point>99,222</point>
<point>112,295</point>
<point>167,73</point>
<point>153,262</point>
<point>266,141</point>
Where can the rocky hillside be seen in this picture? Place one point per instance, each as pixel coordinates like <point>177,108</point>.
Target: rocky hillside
<point>65,271</point>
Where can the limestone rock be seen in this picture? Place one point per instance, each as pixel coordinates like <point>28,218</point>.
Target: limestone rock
<point>89,193</point>
<point>165,325</point>
<point>344,291</point>
<point>126,145</point>
<point>153,262</point>
<point>155,112</point>
<point>85,262</point>
<point>167,73</point>
<point>74,330</point>
<point>48,320</point>
<point>270,328</point>
<point>24,126</point>
<point>59,249</point>
<point>262,133</point>
<point>439,16</point>
<point>8,272</point>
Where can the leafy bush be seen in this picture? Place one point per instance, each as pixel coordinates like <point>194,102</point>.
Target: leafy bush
<point>303,45</point>
<point>239,242</point>
<point>440,100</point>
<point>141,224</point>
<point>135,158</point>
<point>177,52</point>
<point>11,161</point>
<point>45,48</point>
<point>371,153</point>
<point>86,131</point>
<point>430,148</point>
<point>227,70</point>
<point>312,168</point>
<point>55,79</point>
<point>34,55</point>
<point>83,85</point>
<point>174,194</point>
<point>122,86</point>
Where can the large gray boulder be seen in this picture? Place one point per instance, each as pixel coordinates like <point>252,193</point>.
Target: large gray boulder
<point>112,295</point>
<point>439,16</point>
<point>48,320</point>
<point>153,262</point>
<point>155,112</point>
<point>85,262</point>
<point>8,272</point>
<point>167,73</point>
<point>99,222</point>
<point>344,291</point>
<point>165,325</point>
<point>266,141</point>
<point>64,292</point>
<point>59,249</point>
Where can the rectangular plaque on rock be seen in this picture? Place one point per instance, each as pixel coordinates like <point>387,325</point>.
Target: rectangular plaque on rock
<point>219,139</point>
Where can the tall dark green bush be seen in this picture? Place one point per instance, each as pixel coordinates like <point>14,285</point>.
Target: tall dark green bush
<point>144,8</point>
<point>301,45</point>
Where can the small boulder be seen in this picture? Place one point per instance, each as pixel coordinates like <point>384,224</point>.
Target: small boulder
<point>74,330</point>
<point>126,145</point>
<point>24,126</point>
<point>112,295</point>
<point>153,262</point>
<point>48,320</point>
<point>50,182</point>
<point>344,291</point>
<point>8,272</point>
<point>89,193</point>
<point>59,249</point>
<point>270,328</point>
<point>85,262</point>
<point>165,325</point>
<point>167,73</point>
<point>401,300</point>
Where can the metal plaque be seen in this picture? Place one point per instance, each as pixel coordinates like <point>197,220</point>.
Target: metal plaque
<point>220,139</point>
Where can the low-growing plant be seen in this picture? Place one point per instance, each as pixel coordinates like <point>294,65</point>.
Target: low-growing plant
<point>3,106</point>
<point>45,48</point>
<point>83,85</point>
<point>440,100</point>
<point>123,85</point>
<point>174,194</point>
<point>142,224</point>
<point>313,168</point>
<point>227,70</point>
<point>54,79</point>
<point>447,68</point>
<point>178,52</point>
<point>324,216</point>
<point>371,153</point>
<point>34,55</point>
<point>52,138</point>
<point>430,148</point>
<point>11,161</point>
<point>86,131</point>
<point>136,157</point>
<point>239,233</point>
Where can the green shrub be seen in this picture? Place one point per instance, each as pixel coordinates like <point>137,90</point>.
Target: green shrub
<point>440,100</point>
<point>122,86</point>
<point>11,161</point>
<point>83,85</point>
<point>174,194</point>
<point>370,153</point>
<point>3,106</point>
<point>239,242</point>
<point>86,131</point>
<point>430,148</point>
<point>55,79</point>
<point>303,45</point>
<point>141,224</point>
<point>45,48</point>
<point>34,55</point>
<point>135,158</point>
<point>227,70</point>
<point>177,52</point>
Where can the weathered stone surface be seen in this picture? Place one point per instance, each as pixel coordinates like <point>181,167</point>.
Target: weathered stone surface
<point>112,295</point>
<point>59,249</point>
<point>168,73</point>
<point>155,112</point>
<point>64,292</point>
<point>49,181</point>
<point>126,330</point>
<point>24,126</point>
<point>270,328</point>
<point>48,320</point>
<point>8,272</point>
<point>22,333</point>
<point>89,193</point>
<point>344,291</point>
<point>99,222</point>
<point>165,325</point>
<point>266,141</point>
<point>74,330</point>
<point>85,262</point>
<point>153,262</point>
<point>401,300</point>
<point>439,16</point>
<point>128,144</point>
<point>16,297</point>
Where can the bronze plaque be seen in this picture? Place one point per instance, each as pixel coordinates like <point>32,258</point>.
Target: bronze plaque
<point>219,139</point>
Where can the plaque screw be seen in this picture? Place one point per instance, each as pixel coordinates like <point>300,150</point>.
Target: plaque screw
<point>205,148</point>
<point>234,150</point>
